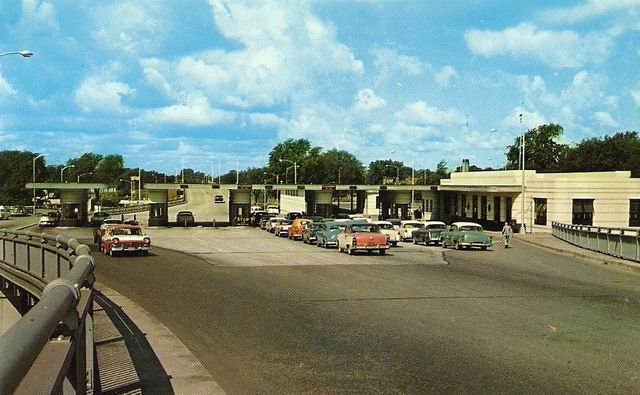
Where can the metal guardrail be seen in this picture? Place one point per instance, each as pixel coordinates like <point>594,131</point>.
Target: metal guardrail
<point>50,348</point>
<point>619,242</point>
<point>141,208</point>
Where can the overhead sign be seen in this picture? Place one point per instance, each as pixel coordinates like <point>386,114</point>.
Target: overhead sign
<point>300,186</point>
<point>184,186</point>
<point>353,187</point>
<point>268,187</point>
<point>383,187</point>
<point>215,186</point>
<point>328,187</point>
<point>246,187</point>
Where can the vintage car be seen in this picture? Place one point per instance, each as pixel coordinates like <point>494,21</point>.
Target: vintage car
<point>387,228</point>
<point>396,222</point>
<point>185,218</point>
<point>407,227</point>
<point>465,235</point>
<point>362,236</point>
<point>297,227</point>
<point>4,212</point>
<point>52,218</point>
<point>123,239</point>
<point>271,224</point>
<point>256,216</point>
<point>430,233</point>
<point>309,235</point>
<point>281,229</point>
<point>98,217</point>
<point>273,210</point>
<point>293,215</point>
<point>328,233</point>
<point>18,211</point>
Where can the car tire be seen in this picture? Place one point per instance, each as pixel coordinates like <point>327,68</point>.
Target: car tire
<point>457,245</point>
<point>483,248</point>
<point>415,241</point>
<point>349,250</point>
<point>382,251</point>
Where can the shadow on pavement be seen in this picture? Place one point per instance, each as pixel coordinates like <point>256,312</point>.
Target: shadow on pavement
<point>124,359</point>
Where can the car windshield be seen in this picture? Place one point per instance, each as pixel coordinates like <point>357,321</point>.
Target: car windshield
<point>126,232</point>
<point>286,222</point>
<point>470,228</point>
<point>436,226</point>
<point>414,225</point>
<point>386,226</point>
<point>365,228</point>
<point>185,213</point>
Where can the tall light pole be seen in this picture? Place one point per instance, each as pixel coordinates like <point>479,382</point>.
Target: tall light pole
<point>286,174</point>
<point>237,171</point>
<point>139,185</point>
<point>62,171</point>
<point>295,169</point>
<point>397,172</point>
<point>34,180</point>
<point>83,174</point>
<point>522,228</point>
<point>24,54</point>
<point>182,169</point>
<point>339,171</point>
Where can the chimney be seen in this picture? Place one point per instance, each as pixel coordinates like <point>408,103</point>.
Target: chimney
<point>465,166</point>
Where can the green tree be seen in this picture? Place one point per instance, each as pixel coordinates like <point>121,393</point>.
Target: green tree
<point>380,169</point>
<point>110,169</point>
<point>609,153</point>
<point>542,152</point>
<point>16,172</point>
<point>86,163</point>
<point>442,172</point>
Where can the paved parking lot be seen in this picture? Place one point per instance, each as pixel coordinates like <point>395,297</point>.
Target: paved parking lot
<point>243,246</point>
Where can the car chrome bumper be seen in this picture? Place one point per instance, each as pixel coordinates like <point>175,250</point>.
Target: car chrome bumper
<point>132,249</point>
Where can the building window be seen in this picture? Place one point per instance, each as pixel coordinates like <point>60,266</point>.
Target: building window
<point>582,212</point>
<point>496,208</point>
<point>483,207</point>
<point>634,212</point>
<point>474,200</point>
<point>464,205</point>
<point>508,207</point>
<point>540,206</point>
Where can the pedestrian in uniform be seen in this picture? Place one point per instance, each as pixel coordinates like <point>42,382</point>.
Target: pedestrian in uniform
<point>506,234</point>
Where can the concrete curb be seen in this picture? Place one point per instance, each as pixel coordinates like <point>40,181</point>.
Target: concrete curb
<point>604,260</point>
<point>188,376</point>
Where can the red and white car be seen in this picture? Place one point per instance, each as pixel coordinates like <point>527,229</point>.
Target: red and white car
<point>124,239</point>
<point>362,236</point>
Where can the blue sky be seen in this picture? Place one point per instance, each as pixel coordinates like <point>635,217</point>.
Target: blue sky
<point>422,81</point>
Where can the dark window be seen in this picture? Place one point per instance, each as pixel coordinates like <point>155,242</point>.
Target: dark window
<point>540,211</point>
<point>508,207</point>
<point>474,206</point>
<point>582,212</point>
<point>464,206</point>
<point>377,201</point>
<point>483,207</point>
<point>496,208</point>
<point>634,212</point>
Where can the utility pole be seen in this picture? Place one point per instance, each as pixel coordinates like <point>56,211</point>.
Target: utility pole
<point>237,171</point>
<point>139,185</point>
<point>522,228</point>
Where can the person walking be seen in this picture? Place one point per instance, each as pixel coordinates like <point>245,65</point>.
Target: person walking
<point>506,234</point>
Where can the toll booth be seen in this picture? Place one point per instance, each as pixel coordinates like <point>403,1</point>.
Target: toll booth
<point>74,200</point>
<point>394,204</point>
<point>158,207</point>
<point>320,202</point>
<point>240,205</point>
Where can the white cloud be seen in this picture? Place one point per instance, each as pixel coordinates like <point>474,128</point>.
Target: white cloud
<point>556,48</point>
<point>40,15</point>
<point>445,75</point>
<point>366,100</point>
<point>266,119</point>
<point>96,94</point>
<point>605,119</point>
<point>530,119</point>
<point>635,94</point>
<point>5,87</point>
<point>195,110</point>
<point>6,137</point>
<point>418,113</point>
<point>388,60</point>
<point>587,10</point>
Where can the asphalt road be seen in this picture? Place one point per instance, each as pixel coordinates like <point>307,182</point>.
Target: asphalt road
<point>516,320</point>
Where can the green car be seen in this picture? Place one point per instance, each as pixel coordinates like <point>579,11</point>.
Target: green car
<point>465,235</point>
<point>328,232</point>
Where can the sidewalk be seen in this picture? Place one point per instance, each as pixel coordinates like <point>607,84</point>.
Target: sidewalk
<point>548,241</point>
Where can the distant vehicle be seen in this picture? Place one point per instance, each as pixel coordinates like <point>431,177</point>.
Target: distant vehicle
<point>111,221</point>
<point>387,228</point>
<point>4,213</point>
<point>185,218</point>
<point>281,229</point>
<point>51,218</point>
<point>309,235</point>
<point>407,227</point>
<point>273,210</point>
<point>253,209</point>
<point>18,211</point>
<point>271,224</point>
<point>396,222</point>
<point>99,217</point>
<point>122,239</point>
<point>297,227</point>
<point>293,215</point>
<point>256,216</point>
<point>328,233</point>
<point>264,220</point>
<point>465,235</point>
<point>431,233</point>
<point>362,236</point>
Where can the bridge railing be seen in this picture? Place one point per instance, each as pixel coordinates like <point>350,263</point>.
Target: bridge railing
<point>619,242</point>
<point>50,348</point>
<point>140,208</point>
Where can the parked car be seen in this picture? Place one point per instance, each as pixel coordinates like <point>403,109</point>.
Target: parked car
<point>293,215</point>
<point>309,234</point>
<point>18,211</point>
<point>430,233</point>
<point>281,229</point>
<point>4,213</point>
<point>405,231</point>
<point>256,216</point>
<point>327,234</point>
<point>271,224</point>
<point>99,217</point>
<point>362,236</point>
<point>297,227</point>
<point>52,218</point>
<point>185,218</point>
<point>387,228</point>
<point>465,235</point>
<point>122,239</point>
<point>273,210</point>
<point>264,220</point>
<point>396,222</point>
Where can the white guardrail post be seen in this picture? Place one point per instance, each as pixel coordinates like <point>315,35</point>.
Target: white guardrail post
<point>622,243</point>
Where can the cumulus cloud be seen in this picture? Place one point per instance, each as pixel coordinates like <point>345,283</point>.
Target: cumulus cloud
<point>419,113</point>
<point>445,75</point>
<point>195,110</point>
<point>560,49</point>
<point>5,87</point>
<point>635,94</point>
<point>587,10</point>
<point>366,99</point>
<point>40,15</point>
<point>96,94</point>
<point>605,119</point>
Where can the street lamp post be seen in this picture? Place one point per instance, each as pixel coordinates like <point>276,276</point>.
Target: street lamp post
<point>237,171</point>
<point>265,181</point>
<point>295,169</point>
<point>24,54</point>
<point>286,174</point>
<point>34,180</point>
<point>83,174</point>
<point>397,172</point>
<point>522,228</point>
<point>339,173</point>
<point>62,171</point>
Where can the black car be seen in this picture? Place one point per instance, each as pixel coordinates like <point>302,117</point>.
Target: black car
<point>257,216</point>
<point>293,215</point>
<point>309,234</point>
<point>98,218</point>
<point>185,218</point>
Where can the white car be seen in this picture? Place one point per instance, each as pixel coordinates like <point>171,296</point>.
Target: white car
<point>281,229</point>
<point>4,213</point>
<point>405,231</point>
<point>271,224</point>
<point>388,229</point>
<point>49,219</point>
<point>273,210</point>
